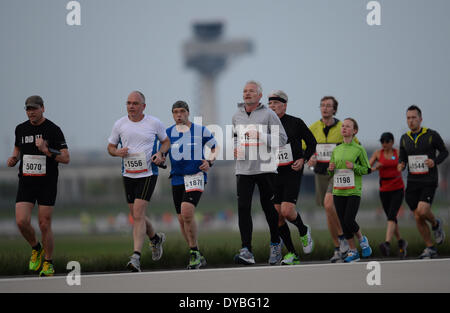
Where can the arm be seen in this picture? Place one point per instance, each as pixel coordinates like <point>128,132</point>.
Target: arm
<point>12,161</point>
<point>113,151</point>
<point>63,157</point>
<point>158,158</point>
<point>375,157</point>
<point>363,167</point>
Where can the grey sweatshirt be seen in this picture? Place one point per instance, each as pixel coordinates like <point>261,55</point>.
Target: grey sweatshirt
<point>257,157</point>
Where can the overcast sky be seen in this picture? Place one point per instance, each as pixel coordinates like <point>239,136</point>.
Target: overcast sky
<point>306,48</point>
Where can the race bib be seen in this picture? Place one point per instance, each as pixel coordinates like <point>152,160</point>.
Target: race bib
<point>285,155</point>
<point>244,139</point>
<point>34,165</point>
<point>135,163</point>
<point>194,182</point>
<point>324,151</point>
<point>344,179</point>
<point>416,164</point>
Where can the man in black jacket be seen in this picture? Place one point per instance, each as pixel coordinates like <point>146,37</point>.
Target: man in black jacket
<point>418,149</point>
<point>291,159</point>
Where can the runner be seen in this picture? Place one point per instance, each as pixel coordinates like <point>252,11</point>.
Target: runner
<point>138,136</point>
<point>188,173</point>
<point>347,165</point>
<point>418,149</point>
<point>391,191</point>
<point>39,146</point>
<point>257,128</point>
<point>290,171</point>
<point>327,132</point>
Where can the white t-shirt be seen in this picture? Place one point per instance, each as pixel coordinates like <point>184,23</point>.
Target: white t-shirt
<point>139,137</point>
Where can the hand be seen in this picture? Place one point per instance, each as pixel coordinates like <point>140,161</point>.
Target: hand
<point>378,166</point>
<point>331,166</point>
<point>349,164</point>
<point>430,163</point>
<point>235,153</point>
<point>298,164</point>
<point>401,166</point>
<point>312,161</point>
<point>158,158</point>
<point>42,145</point>
<point>122,152</point>
<point>252,134</point>
<point>12,161</point>
<point>205,166</point>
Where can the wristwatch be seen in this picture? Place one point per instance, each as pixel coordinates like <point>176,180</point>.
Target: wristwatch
<point>210,163</point>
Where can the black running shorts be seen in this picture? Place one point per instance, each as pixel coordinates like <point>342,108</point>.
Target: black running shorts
<point>42,190</point>
<point>287,186</point>
<point>180,195</point>
<point>419,192</point>
<point>139,188</point>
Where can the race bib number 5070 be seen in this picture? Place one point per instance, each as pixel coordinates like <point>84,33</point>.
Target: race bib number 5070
<point>34,165</point>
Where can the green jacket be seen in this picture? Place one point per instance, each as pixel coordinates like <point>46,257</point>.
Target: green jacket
<point>356,154</point>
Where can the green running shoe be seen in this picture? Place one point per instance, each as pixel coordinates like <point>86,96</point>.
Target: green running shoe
<point>307,241</point>
<point>196,261</point>
<point>36,259</point>
<point>290,259</point>
<point>47,269</point>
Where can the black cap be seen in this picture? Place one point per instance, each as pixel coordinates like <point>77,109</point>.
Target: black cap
<point>180,104</point>
<point>386,137</point>
<point>34,102</point>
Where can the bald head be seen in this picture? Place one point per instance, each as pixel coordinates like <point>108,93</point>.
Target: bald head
<point>138,94</point>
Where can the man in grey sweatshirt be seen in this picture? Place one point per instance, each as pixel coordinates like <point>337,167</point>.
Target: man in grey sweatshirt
<point>258,134</point>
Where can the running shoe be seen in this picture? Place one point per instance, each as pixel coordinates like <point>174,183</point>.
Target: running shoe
<point>275,253</point>
<point>439,234</point>
<point>290,259</point>
<point>47,269</point>
<point>352,256</point>
<point>307,241</point>
<point>428,253</point>
<point>385,249</point>
<point>244,257</point>
<point>36,259</point>
<point>366,249</point>
<point>134,265</point>
<point>402,245</point>
<point>343,246</point>
<point>157,248</point>
<point>196,260</point>
<point>337,257</point>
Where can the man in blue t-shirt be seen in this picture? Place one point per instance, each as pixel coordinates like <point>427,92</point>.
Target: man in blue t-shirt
<point>188,173</point>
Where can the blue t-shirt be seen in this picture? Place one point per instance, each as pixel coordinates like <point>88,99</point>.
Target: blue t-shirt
<point>187,151</point>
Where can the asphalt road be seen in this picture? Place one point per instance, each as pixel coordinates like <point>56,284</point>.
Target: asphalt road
<point>393,276</point>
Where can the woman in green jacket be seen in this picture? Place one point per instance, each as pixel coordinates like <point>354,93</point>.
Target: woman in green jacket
<point>348,163</point>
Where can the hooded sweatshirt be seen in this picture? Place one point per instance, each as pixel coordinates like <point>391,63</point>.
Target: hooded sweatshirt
<point>257,156</point>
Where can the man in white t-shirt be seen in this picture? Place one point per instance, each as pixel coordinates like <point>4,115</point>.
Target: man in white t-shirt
<point>138,134</point>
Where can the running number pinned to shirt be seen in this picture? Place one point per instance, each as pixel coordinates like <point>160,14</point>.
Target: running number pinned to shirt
<point>245,139</point>
<point>344,179</point>
<point>285,155</point>
<point>194,182</point>
<point>416,164</point>
<point>324,151</point>
<point>135,163</point>
<point>34,165</point>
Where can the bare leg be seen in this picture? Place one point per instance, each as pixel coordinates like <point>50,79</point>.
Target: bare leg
<point>23,221</point>
<point>183,231</point>
<point>422,214</point>
<point>142,225</point>
<point>190,226</point>
<point>334,226</point>
<point>45,224</point>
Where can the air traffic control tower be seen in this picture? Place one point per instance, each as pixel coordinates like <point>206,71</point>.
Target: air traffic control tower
<point>209,54</point>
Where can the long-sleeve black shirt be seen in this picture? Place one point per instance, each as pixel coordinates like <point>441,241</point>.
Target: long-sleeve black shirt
<point>427,142</point>
<point>297,131</point>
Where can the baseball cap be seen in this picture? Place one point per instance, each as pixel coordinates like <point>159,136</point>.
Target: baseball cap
<point>180,104</point>
<point>386,137</point>
<point>34,102</point>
